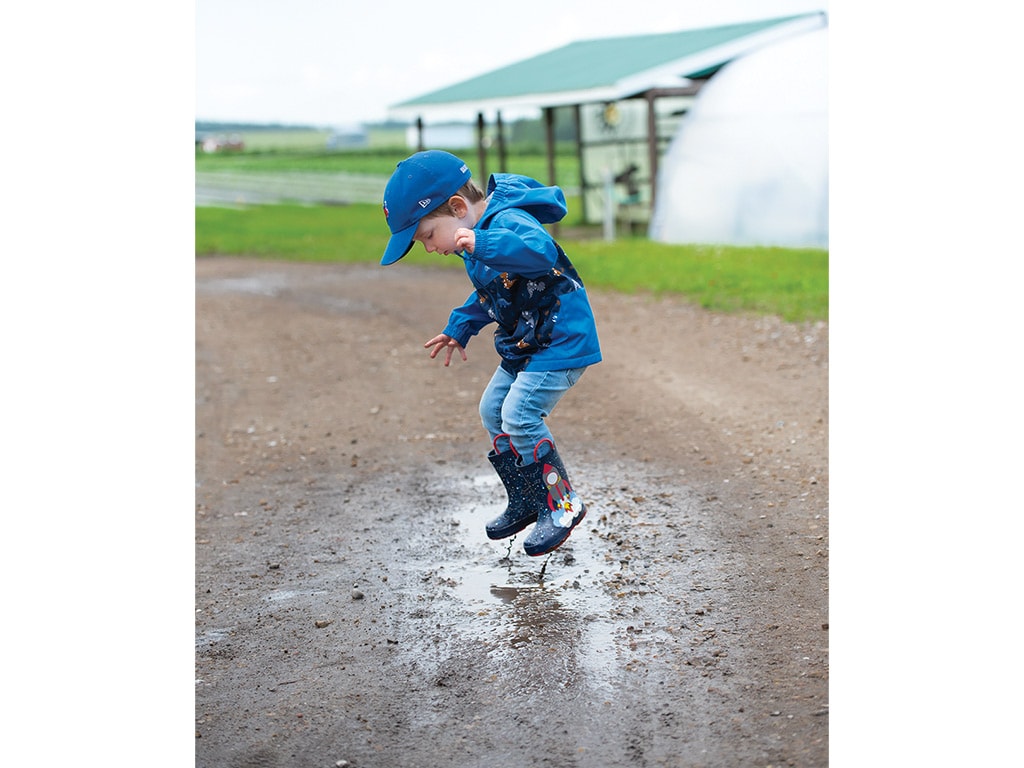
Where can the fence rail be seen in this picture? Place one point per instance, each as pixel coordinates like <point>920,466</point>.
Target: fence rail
<point>231,188</point>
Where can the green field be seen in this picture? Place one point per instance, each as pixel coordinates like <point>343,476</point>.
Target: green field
<point>790,283</point>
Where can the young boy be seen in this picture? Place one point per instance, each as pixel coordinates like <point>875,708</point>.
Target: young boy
<point>545,333</point>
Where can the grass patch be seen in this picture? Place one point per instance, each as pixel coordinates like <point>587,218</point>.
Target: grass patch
<point>790,283</point>
<point>351,233</point>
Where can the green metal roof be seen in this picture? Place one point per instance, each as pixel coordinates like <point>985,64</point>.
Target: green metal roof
<point>612,67</point>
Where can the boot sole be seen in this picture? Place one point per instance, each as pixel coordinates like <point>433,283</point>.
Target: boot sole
<point>560,541</point>
<point>511,530</point>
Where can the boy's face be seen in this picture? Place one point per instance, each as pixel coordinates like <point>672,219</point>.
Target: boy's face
<point>437,233</point>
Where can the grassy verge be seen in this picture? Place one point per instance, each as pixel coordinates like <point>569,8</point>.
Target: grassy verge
<point>790,283</point>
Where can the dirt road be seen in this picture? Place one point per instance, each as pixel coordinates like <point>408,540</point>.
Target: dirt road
<point>350,609</point>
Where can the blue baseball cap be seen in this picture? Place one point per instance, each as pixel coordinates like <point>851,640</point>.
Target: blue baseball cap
<point>420,184</point>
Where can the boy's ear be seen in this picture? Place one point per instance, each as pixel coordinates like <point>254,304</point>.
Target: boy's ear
<point>458,206</point>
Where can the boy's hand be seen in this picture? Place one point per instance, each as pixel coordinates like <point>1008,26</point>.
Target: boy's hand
<point>465,239</point>
<point>443,341</point>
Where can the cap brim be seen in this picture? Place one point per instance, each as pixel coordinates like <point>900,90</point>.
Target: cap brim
<point>399,245</point>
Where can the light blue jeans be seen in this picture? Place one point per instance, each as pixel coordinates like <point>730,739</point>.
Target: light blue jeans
<point>517,404</point>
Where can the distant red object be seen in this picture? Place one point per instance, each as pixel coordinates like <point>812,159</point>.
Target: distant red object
<point>219,143</point>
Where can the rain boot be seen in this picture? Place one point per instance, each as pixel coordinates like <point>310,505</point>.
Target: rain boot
<point>519,513</point>
<point>561,509</point>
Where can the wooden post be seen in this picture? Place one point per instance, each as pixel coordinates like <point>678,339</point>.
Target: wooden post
<point>549,133</point>
<point>419,134</point>
<point>577,116</point>
<point>481,152</point>
<point>652,144</point>
<point>549,140</point>
<point>502,157</point>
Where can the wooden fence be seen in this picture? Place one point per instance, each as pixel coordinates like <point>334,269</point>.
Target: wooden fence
<point>231,188</point>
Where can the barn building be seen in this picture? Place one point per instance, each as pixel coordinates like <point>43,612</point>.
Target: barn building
<point>628,96</point>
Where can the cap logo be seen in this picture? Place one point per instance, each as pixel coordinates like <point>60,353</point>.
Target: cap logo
<point>387,214</point>
<point>425,202</point>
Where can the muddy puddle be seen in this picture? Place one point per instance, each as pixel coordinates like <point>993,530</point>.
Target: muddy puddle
<point>577,617</point>
<point>515,602</point>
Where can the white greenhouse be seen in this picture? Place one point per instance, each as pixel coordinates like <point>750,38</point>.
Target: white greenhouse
<point>749,162</point>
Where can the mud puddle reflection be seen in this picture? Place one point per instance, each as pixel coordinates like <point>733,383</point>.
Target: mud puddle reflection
<point>319,292</point>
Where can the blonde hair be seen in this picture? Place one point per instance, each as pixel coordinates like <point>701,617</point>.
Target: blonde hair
<point>469,190</point>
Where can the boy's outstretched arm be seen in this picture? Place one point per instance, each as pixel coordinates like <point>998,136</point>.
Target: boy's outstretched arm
<point>446,342</point>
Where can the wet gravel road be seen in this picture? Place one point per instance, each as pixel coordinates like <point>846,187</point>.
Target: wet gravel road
<point>350,609</point>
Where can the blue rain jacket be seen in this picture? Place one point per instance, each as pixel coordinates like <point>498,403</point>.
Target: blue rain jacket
<point>525,283</point>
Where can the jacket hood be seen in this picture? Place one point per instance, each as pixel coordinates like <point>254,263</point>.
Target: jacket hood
<point>509,190</point>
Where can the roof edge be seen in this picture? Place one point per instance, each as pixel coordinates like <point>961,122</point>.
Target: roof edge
<point>671,74</point>
<point>694,64</point>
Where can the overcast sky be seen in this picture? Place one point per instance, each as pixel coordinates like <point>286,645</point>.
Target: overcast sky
<point>344,62</point>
